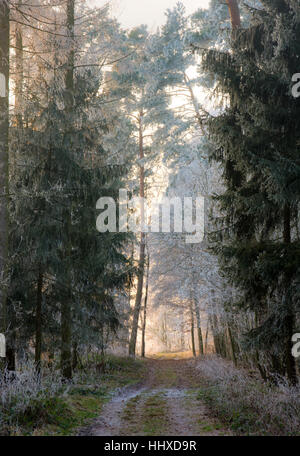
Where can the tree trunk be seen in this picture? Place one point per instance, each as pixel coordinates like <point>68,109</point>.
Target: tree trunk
<point>66,309</point>
<point>234,13</point>
<point>4,125</point>
<point>66,339</point>
<point>139,293</point>
<point>69,80</point>
<point>11,341</point>
<point>10,359</point>
<point>19,74</point>
<point>75,358</point>
<point>192,331</point>
<point>206,336</point>
<point>182,335</point>
<point>66,313</point>
<point>214,329</point>
<point>199,331</point>
<point>145,308</point>
<point>138,300</point>
<point>38,323</point>
<point>231,343</point>
<point>194,102</point>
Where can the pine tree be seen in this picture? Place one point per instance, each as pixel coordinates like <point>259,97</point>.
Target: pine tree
<point>62,169</point>
<point>256,140</point>
<point>137,80</point>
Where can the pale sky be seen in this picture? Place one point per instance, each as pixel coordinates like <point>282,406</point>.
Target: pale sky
<point>131,13</point>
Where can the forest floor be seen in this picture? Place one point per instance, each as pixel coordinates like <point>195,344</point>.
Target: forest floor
<point>170,394</point>
<point>77,405</point>
<point>166,402</point>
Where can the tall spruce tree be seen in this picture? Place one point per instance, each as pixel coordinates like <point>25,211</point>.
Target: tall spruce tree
<point>257,140</point>
<point>62,169</point>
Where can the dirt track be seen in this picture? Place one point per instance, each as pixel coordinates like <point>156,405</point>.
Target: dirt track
<point>166,403</point>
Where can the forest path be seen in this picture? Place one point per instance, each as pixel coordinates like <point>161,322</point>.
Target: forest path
<point>166,403</point>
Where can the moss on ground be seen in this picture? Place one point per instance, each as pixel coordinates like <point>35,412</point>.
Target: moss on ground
<point>166,378</point>
<point>145,415</point>
<point>155,415</point>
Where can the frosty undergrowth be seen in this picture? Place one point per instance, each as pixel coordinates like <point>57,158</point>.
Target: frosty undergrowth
<point>21,390</point>
<point>250,405</point>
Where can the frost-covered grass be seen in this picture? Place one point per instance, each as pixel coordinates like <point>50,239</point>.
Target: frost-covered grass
<point>25,396</point>
<point>33,405</point>
<point>249,405</point>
